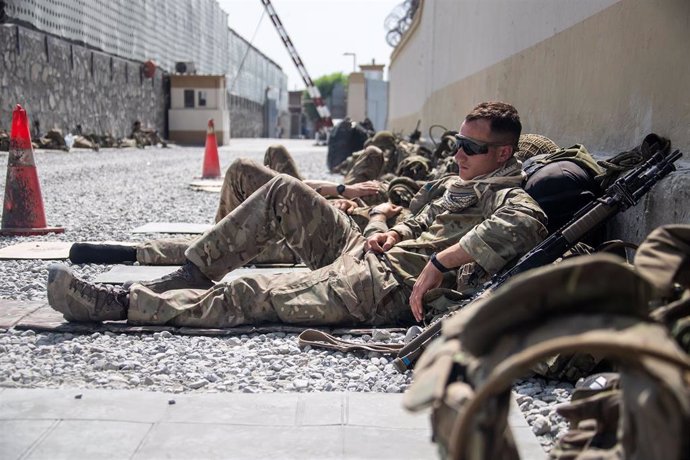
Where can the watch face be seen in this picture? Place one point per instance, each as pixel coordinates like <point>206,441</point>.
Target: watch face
<point>340,189</point>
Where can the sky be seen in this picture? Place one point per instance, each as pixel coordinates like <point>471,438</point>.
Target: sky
<point>320,30</point>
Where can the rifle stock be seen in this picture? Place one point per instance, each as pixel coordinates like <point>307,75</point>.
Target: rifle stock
<point>625,192</point>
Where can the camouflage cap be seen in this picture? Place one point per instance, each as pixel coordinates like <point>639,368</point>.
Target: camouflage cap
<point>530,145</point>
<point>385,140</point>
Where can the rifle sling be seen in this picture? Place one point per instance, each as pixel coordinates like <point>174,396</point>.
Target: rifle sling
<point>320,339</point>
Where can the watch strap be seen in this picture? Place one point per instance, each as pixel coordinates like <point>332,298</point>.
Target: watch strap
<point>439,266</point>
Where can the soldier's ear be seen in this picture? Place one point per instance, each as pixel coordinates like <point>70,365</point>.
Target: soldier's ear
<point>505,152</point>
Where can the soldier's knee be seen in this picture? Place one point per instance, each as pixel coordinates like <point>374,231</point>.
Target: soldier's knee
<point>240,167</point>
<point>282,178</point>
<point>374,153</point>
<point>276,153</point>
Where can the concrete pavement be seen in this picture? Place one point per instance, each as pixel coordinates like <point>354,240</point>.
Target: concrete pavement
<point>128,424</point>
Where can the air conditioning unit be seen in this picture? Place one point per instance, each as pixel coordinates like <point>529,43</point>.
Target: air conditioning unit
<point>185,67</point>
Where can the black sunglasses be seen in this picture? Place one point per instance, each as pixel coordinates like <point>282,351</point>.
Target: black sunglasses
<point>472,147</point>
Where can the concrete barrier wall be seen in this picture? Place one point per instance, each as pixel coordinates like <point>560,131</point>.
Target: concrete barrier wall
<point>603,73</point>
<point>246,117</point>
<point>61,85</point>
<point>667,203</point>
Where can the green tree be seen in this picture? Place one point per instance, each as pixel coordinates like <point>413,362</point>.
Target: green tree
<point>325,85</point>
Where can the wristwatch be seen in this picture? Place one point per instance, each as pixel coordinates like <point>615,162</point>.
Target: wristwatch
<point>439,266</point>
<point>375,212</point>
<point>340,189</point>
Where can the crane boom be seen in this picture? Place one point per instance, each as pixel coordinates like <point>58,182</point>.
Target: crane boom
<point>314,93</point>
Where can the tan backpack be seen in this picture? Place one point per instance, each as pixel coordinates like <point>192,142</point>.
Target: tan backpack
<point>593,304</point>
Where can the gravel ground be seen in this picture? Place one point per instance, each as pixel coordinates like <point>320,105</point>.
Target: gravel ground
<point>100,196</point>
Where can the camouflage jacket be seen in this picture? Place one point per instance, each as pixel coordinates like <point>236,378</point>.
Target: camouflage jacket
<point>504,224</point>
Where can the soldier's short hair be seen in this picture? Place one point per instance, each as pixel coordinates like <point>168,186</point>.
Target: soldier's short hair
<point>503,118</point>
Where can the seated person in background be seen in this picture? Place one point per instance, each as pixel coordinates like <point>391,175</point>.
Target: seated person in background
<point>481,217</point>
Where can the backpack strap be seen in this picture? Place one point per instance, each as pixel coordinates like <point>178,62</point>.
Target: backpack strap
<point>613,167</point>
<point>320,339</point>
<point>577,154</point>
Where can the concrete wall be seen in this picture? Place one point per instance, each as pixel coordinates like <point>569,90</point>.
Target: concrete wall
<point>246,117</point>
<point>356,96</point>
<point>191,126</point>
<point>598,72</point>
<point>62,85</point>
<point>667,203</point>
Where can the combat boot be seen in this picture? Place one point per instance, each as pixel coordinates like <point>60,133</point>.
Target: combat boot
<point>82,301</point>
<point>188,276</point>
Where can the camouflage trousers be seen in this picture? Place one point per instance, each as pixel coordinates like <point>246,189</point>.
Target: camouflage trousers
<point>279,160</point>
<point>345,287</point>
<point>366,166</point>
<point>242,178</point>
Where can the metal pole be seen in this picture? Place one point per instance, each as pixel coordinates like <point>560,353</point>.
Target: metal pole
<point>354,60</point>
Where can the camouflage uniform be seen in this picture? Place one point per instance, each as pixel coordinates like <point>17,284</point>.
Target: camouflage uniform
<point>242,178</point>
<point>346,285</point>
<point>279,159</point>
<point>381,156</point>
<point>53,140</point>
<point>366,165</point>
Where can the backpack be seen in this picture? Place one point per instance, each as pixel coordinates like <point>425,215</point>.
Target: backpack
<point>466,375</point>
<point>346,138</point>
<point>594,413</point>
<point>562,183</point>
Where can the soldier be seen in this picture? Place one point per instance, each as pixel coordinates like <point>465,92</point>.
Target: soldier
<point>381,162</point>
<point>53,140</point>
<point>145,136</point>
<point>481,217</point>
<point>242,178</point>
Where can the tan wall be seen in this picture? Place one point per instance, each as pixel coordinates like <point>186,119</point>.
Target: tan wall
<point>188,126</point>
<point>599,72</point>
<point>356,96</point>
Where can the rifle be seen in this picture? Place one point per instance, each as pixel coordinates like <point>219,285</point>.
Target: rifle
<point>416,134</point>
<point>622,194</point>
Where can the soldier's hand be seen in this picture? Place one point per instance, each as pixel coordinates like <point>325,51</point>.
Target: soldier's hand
<point>370,187</point>
<point>347,206</point>
<point>429,278</point>
<point>388,209</point>
<point>381,242</point>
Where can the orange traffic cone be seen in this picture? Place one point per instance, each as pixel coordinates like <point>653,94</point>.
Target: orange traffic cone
<point>23,212</point>
<point>211,164</point>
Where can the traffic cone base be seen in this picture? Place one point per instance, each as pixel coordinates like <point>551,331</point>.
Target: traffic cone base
<point>31,231</point>
<point>23,212</point>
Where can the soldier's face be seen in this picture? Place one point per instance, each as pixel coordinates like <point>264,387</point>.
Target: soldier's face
<point>472,166</point>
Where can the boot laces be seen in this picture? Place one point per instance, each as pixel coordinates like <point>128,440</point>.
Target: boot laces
<point>102,295</point>
<point>182,272</point>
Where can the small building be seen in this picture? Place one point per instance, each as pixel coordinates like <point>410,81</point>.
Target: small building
<point>194,99</point>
